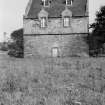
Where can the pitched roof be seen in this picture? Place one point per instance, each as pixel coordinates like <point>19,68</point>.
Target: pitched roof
<point>57,7</point>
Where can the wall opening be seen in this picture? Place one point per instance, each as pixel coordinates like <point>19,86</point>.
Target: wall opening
<point>54,52</point>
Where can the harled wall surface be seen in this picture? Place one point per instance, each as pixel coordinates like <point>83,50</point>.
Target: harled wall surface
<point>67,45</point>
<point>69,41</point>
<point>55,26</point>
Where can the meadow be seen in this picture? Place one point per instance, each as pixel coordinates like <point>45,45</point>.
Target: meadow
<point>52,81</point>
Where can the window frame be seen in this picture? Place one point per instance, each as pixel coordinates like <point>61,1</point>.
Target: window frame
<point>69,2</point>
<point>45,4</point>
<point>65,24</point>
<point>43,22</point>
<point>55,52</point>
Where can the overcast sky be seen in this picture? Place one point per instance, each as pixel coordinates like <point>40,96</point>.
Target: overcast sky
<point>11,13</point>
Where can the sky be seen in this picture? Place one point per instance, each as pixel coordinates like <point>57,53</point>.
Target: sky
<point>12,11</point>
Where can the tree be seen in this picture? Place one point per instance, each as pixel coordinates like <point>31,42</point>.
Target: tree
<point>97,37</point>
<point>4,46</point>
<point>16,48</point>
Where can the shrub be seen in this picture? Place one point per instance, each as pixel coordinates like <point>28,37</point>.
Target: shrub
<point>16,47</point>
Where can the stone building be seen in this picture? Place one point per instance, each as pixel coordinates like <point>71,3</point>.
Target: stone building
<point>56,28</point>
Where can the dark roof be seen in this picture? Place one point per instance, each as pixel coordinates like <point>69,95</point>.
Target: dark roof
<point>57,7</point>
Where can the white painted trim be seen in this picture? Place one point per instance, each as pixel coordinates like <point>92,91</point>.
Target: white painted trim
<point>44,3</point>
<point>28,7</point>
<point>71,3</point>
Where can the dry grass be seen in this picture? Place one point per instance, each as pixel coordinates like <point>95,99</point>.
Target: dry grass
<point>40,81</point>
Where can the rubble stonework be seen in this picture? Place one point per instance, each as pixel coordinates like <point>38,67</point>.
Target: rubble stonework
<point>68,40</point>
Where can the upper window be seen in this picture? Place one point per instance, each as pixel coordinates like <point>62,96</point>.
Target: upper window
<point>69,2</point>
<point>46,3</point>
<point>66,21</point>
<point>43,17</point>
<point>43,22</point>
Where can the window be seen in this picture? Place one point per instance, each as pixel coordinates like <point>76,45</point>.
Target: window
<point>45,3</point>
<point>69,2</point>
<point>43,22</point>
<point>55,52</point>
<point>66,21</point>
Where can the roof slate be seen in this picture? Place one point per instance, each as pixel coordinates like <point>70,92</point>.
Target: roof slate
<point>57,7</point>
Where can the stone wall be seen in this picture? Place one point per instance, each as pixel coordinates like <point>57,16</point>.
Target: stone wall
<point>67,41</point>
<point>67,45</point>
<point>55,26</point>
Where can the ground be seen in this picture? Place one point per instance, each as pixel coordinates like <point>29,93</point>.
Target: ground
<point>52,81</point>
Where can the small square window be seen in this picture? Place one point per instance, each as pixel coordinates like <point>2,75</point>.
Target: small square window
<point>43,22</point>
<point>66,21</point>
<point>46,3</point>
<point>69,2</point>
<point>55,52</point>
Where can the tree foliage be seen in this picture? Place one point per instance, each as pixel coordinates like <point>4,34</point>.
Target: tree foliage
<point>16,47</point>
<point>4,46</point>
<point>97,37</point>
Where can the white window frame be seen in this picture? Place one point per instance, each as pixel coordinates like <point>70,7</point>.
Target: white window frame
<point>55,52</point>
<point>43,22</point>
<point>44,3</point>
<point>66,21</point>
<point>69,2</point>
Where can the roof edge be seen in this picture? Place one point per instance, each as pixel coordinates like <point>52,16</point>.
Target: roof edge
<point>26,17</point>
<point>56,34</point>
<point>87,8</point>
<point>28,7</point>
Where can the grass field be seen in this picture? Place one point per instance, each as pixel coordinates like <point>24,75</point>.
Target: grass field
<point>51,81</point>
